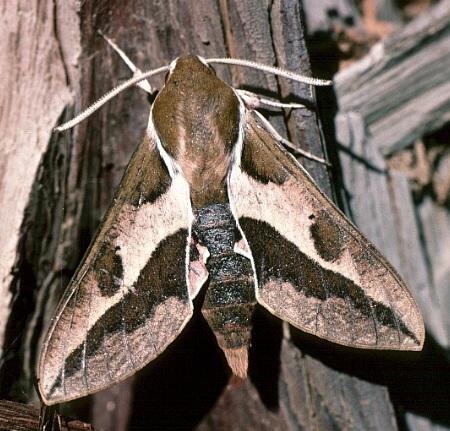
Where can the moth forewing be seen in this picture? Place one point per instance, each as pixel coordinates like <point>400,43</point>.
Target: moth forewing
<point>314,268</point>
<point>124,304</point>
<point>210,196</point>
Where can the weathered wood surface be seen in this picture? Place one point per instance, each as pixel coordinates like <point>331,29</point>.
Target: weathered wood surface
<point>22,417</point>
<point>387,101</point>
<point>32,94</point>
<point>289,388</point>
<point>401,88</point>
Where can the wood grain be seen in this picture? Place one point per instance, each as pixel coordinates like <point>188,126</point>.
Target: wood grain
<point>400,88</point>
<point>289,388</point>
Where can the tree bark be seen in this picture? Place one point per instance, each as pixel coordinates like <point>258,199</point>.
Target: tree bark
<point>20,417</point>
<point>296,381</point>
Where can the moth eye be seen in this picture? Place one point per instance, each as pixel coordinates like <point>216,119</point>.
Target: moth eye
<point>166,77</point>
<point>212,69</point>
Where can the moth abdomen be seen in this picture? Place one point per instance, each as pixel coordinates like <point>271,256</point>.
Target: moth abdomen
<point>230,299</point>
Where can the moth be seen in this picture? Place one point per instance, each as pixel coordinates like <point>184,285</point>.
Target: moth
<point>211,198</point>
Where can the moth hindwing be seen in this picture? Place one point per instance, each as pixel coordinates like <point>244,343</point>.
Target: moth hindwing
<point>210,197</point>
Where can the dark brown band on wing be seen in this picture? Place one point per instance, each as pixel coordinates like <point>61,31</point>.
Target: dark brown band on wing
<point>262,168</point>
<point>162,278</point>
<point>139,187</point>
<point>136,189</point>
<point>277,259</point>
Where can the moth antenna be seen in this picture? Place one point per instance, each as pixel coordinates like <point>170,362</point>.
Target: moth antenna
<point>145,85</point>
<point>271,69</point>
<point>108,96</point>
<point>142,76</point>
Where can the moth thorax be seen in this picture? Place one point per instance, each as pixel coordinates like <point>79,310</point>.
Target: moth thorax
<point>230,299</point>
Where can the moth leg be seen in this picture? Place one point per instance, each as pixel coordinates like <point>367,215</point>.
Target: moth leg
<point>289,144</point>
<point>253,101</point>
<point>198,273</point>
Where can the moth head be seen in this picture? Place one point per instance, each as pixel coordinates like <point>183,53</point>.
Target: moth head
<point>189,66</point>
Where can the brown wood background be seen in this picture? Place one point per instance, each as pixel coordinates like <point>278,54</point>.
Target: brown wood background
<point>55,188</point>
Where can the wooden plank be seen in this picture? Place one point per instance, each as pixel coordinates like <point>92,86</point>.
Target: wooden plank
<point>395,95</point>
<point>366,186</point>
<point>435,222</point>
<point>22,417</point>
<point>398,92</point>
<point>399,88</point>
